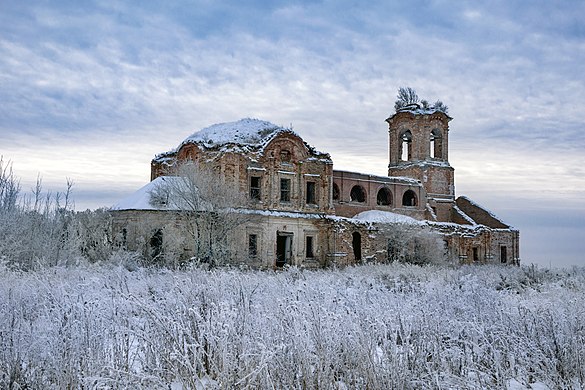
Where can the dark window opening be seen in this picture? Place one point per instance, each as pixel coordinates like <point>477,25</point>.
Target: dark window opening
<point>335,192</point>
<point>503,254</point>
<point>409,198</point>
<point>156,244</point>
<point>311,198</point>
<point>309,254</point>
<point>284,156</point>
<point>285,190</point>
<point>283,249</point>
<point>475,254</point>
<point>252,245</point>
<point>255,188</point>
<point>384,197</point>
<point>357,194</point>
<point>356,243</point>
<point>406,146</point>
<point>124,237</point>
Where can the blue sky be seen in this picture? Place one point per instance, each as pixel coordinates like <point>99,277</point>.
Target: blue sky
<point>92,90</point>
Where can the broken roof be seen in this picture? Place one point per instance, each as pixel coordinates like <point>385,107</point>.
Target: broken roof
<point>244,136</point>
<point>252,132</point>
<point>417,109</point>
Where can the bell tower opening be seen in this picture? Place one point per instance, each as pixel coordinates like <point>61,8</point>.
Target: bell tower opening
<point>436,147</point>
<point>406,146</point>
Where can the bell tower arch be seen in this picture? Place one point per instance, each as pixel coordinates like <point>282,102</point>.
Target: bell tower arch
<point>419,149</point>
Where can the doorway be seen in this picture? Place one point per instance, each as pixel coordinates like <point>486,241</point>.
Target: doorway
<point>283,248</point>
<point>356,243</point>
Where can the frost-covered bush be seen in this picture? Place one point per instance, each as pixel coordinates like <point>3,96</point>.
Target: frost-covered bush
<point>42,229</point>
<point>384,326</point>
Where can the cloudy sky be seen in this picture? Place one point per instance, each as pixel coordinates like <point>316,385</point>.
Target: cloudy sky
<point>92,90</point>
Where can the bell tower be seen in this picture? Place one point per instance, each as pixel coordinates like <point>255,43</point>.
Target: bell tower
<point>419,149</point>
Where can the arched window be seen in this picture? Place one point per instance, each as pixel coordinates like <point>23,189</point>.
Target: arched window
<point>436,147</point>
<point>406,146</point>
<point>357,194</point>
<point>335,191</point>
<point>409,198</point>
<point>384,197</point>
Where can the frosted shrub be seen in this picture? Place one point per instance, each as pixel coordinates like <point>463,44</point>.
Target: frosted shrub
<point>383,326</point>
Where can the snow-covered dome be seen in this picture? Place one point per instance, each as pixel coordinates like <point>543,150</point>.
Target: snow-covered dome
<point>243,132</point>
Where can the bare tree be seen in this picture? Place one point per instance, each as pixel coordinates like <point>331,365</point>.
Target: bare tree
<point>9,187</point>
<point>208,206</point>
<point>406,96</point>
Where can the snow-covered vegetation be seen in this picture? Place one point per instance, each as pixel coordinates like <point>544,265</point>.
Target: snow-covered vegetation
<point>377,327</point>
<point>408,100</point>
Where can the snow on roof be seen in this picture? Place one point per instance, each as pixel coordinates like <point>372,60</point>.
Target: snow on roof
<point>243,132</point>
<point>140,200</point>
<point>418,109</point>
<point>377,216</point>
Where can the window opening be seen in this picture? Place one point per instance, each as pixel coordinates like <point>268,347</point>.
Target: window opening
<point>309,254</point>
<point>409,198</point>
<point>384,197</point>
<point>436,147</point>
<point>503,254</point>
<point>357,194</point>
<point>255,188</point>
<point>285,190</point>
<point>335,191</point>
<point>283,249</point>
<point>311,199</point>
<point>156,244</point>
<point>252,245</point>
<point>406,146</point>
<point>284,155</point>
<point>124,237</point>
<point>356,243</point>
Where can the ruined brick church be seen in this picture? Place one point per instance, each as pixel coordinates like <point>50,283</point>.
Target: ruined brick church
<point>297,210</point>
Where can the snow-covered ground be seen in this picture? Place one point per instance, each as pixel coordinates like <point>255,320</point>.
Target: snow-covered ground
<point>377,327</point>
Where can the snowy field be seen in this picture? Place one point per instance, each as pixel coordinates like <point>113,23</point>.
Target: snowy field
<point>369,327</point>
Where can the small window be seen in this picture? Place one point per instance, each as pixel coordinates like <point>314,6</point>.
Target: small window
<point>358,194</point>
<point>309,251</point>
<point>409,198</point>
<point>284,156</point>
<point>255,188</point>
<point>384,197</point>
<point>311,198</point>
<point>335,192</point>
<point>252,245</point>
<point>285,190</point>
